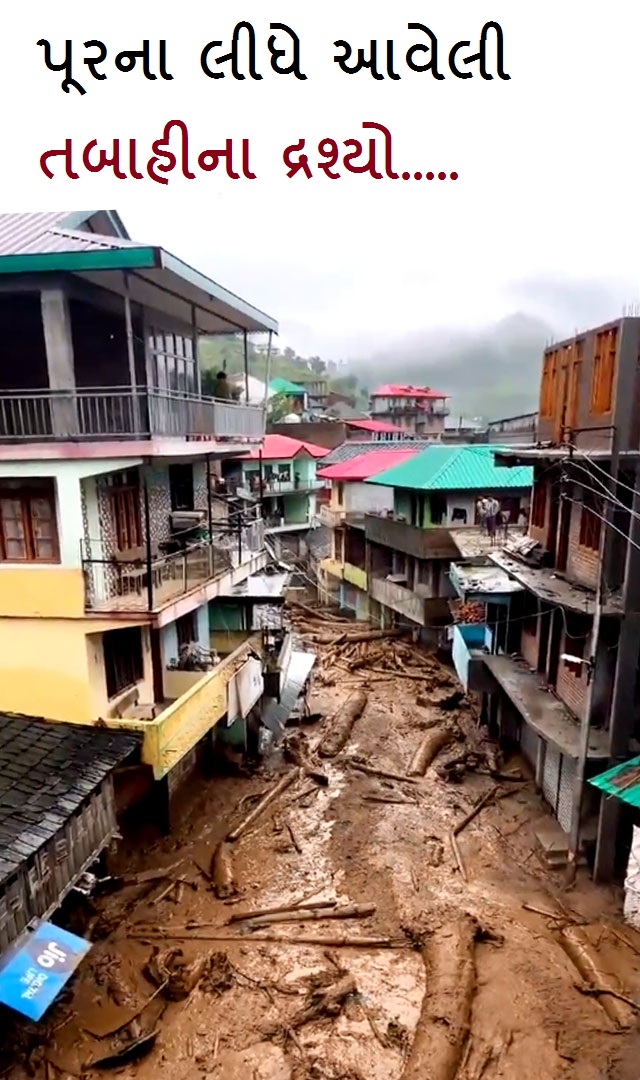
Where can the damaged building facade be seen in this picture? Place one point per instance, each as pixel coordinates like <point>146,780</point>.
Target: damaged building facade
<point>119,563</point>
<point>556,663</point>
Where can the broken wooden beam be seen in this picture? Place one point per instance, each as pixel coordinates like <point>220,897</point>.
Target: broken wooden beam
<point>582,955</point>
<point>317,914</point>
<point>245,916</point>
<point>282,785</point>
<point>221,871</point>
<point>384,774</point>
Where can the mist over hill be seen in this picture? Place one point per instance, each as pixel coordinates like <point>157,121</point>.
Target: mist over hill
<point>491,372</point>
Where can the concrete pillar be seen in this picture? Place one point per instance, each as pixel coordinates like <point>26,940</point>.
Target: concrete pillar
<point>59,348</point>
<point>623,706</point>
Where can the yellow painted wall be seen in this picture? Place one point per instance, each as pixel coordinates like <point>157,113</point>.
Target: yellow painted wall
<point>51,668</point>
<point>49,592</point>
<point>43,669</point>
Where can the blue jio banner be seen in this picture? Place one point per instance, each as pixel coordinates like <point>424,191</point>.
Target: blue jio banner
<point>38,967</point>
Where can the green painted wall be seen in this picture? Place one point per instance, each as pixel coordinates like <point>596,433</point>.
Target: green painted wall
<point>305,467</point>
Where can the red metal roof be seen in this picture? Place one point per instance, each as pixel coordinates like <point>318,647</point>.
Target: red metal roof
<point>365,465</point>
<point>283,448</point>
<point>375,425</point>
<point>397,390</point>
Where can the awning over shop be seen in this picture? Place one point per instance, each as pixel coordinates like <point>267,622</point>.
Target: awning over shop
<point>276,713</point>
<point>623,781</point>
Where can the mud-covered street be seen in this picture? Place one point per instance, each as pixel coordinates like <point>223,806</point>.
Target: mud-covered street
<point>462,970</point>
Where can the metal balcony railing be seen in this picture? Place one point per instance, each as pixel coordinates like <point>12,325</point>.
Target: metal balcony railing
<point>122,412</point>
<point>149,582</point>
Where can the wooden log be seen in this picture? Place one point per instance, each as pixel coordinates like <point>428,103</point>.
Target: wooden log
<point>349,911</point>
<point>361,766</point>
<point>434,741</point>
<point>444,1023</point>
<point>342,724</point>
<point>339,941</point>
<point>286,781</point>
<point>221,872</point>
<point>581,953</point>
<point>315,905</point>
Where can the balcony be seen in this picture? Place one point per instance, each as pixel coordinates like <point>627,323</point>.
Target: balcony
<point>467,653</point>
<point>332,519</point>
<point>147,583</point>
<point>431,543</point>
<point>180,726</point>
<point>123,413</point>
<point>354,575</point>
<point>402,599</point>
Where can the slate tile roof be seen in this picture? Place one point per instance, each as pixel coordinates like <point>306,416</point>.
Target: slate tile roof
<point>47,770</point>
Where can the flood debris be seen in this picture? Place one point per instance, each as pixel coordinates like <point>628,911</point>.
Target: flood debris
<point>433,742</point>
<point>176,979</point>
<point>444,1023</point>
<point>384,774</point>
<point>265,802</point>
<point>315,905</point>
<point>296,750</point>
<point>466,820</point>
<point>222,872</point>
<point>584,957</point>
<point>322,1003</point>
<point>348,911</point>
<point>131,1051</point>
<point>342,724</point>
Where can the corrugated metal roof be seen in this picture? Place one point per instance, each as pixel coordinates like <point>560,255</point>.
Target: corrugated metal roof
<point>377,426</point>
<point>456,468</point>
<point>401,390</point>
<point>623,781</point>
<point>284,448</point>
<point>353,448</point>
<point>46,771</point>
<point>43,233</point>
<point>364,466</point>
<point>285,386</point>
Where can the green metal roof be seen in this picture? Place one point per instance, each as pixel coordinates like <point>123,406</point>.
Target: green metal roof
<point>455,468</point>
<point>623,781</point>
<point>284,386</point>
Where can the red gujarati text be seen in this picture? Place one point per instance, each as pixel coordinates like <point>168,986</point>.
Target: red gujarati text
<point>167,156</point>
<point>375,160</point>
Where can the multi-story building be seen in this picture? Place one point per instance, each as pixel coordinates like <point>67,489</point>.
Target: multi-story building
<point>418,410</point>
<point>281,475</point>
<point>332,433</point>
<point>112,560</point>
<point>342,573</point>
<point>434,520</point>
<point>571,700</point>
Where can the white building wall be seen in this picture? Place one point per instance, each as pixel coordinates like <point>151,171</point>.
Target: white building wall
<point>363,498</point>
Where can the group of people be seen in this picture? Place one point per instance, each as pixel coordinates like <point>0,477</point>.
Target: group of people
<point>491,516</point>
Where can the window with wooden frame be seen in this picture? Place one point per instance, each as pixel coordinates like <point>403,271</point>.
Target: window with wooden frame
<point>124,498</point>
<point>539,504</point>
<point>123,660</point>
<point>603,371</point>
<point>549,385</point>
<point>28,529</point>
<point>590,522</point>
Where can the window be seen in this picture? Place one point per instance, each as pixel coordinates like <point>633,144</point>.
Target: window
<point>124,496</point>
<point>438,509</point>
<point>172,361</point>
<point>181,487</point>
<point>340,493</point>
<point>590,522</point>
<point>187,629</point>
<point>123,662</point>
<point>28,530</point>
<point>603,371</point>
<point>539,505</point>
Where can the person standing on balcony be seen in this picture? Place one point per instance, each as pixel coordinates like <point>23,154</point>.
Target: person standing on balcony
<point>221,388</point>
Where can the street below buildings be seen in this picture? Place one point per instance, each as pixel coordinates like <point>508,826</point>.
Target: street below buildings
<point>451,961</point>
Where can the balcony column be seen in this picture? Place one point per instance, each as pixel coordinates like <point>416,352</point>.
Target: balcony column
<point>60,367</point>
<point>135,416</point>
